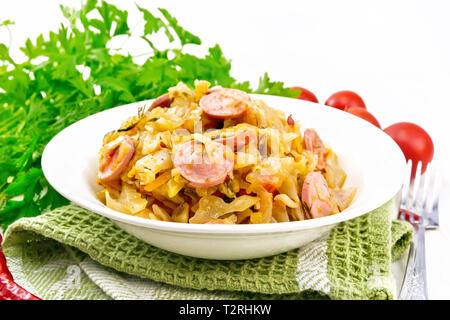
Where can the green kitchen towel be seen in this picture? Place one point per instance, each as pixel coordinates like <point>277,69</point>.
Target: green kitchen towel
<point>71,253</point>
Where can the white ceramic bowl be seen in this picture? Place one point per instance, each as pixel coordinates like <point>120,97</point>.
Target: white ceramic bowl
<point>374,163</point>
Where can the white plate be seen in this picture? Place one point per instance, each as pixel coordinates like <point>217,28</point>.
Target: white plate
<point>374,163</point>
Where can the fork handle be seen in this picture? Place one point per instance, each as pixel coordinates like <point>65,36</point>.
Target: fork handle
<point>415,286</point>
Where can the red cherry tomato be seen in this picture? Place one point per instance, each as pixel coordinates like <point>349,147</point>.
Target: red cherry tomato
<point>364,114</point>
<point>344,100</point>
<point>414,141</point>
<point>306,95</point>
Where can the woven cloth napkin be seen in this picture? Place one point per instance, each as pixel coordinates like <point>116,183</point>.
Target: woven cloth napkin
<point>71,253</point>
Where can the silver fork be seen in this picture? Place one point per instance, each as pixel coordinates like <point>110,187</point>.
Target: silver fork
<point>420,207</point>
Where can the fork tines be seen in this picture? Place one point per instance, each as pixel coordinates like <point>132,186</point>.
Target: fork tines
<point>421,194</point>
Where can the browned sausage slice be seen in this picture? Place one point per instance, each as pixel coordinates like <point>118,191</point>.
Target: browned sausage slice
<point>239,138</point>
<point>316,196</point>
<point>118,153</point>
<point>314,144</point>
<point>213,89</point>
<point>200,168</point>
<point>225,103</point>
<point>162,101</point>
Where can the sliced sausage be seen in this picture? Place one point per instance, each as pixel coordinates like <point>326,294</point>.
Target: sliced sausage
<point>225,103</point>
<point>316,196</point>
<point>118,153</point>
<point>213,89</point>
<point>162,101</point>
<point>238,139</point>
<point>314,144</point>
<point>201,169</point>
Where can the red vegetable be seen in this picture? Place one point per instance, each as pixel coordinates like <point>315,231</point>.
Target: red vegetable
<point>414,141</point>
<point>243,192</point>
<point>364,114</point>
<point>306,95</point>
<point>344,100</point>
<point>4,272</point>
<point>270,188</point>
<point>290,121</point>
<point>9,290</point>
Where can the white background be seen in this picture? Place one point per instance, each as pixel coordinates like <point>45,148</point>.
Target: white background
<point>395,54</point>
